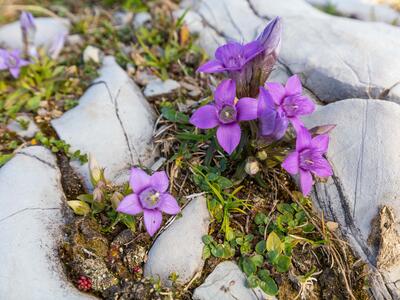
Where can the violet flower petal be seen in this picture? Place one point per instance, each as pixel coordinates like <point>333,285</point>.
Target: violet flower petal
<point>229,50</point>
<point>228,136</point>
<point>252,49</point>
<point>303,139</point>
<point>293,85</point>
<point>247,109</point>
<point>270,38</point>
<point>15,72</point>
<point>291,163</point>
<point>306,105</point>
<point>168,204</point>
<point>159,181</point>
<point>205,117</point>
<point>139,180</point>
<point>212,66</point>
<point>322,168</point>
<point>277,91</point>
<point>306,182</point>
<point>267,122</point>
<point>320,143</point>
<point>281,125</point>
<point>130,205</point>
<point>265,100</point>
<point>152,220</point>
<point>225,93</point>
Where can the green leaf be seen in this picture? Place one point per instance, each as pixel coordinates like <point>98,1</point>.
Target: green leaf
<point>260,219</point>
<point>224,182</point>
<point>174,116</point>
<point>229,234</point>
<point>274,243</point>
<point>269,286</point>
<point>79,207</point>
<point>253,281</point>
<point>33,103</point>
<point>249,267</point>
<point>263,274</point>
<point>5,158</point>
<point>218,251</point>
<point>207,239</point>
<point>282,263</point>
<point>260,247</point>
<point>257,259</point>
<point>206,252</point>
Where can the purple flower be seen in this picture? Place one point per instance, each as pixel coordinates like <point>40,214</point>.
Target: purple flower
<point>226,114</point>
<point>150,197</point>
<point>290,101</point>
<point>231,57</point>
<point>272,123</point>
<point>27,22</point>
<point>249,64</point>
<point>12,61</point>
<point>308,159</point>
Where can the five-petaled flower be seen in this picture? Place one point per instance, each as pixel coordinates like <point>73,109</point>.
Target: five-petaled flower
<point>289,100</point>
<point>226,113</point>
<point>12,61</point>
<point>308,159</point>
<point>150,197</point>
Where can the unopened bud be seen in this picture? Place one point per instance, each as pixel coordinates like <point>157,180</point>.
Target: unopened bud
<point>252,167</point>
<point>116,198</point>
<point>97,194</point>
<point>96,173</point>
<point>262,155</point>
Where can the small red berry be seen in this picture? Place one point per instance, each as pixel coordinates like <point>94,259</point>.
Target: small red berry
<point>137,269</point>
<point>84,284</point>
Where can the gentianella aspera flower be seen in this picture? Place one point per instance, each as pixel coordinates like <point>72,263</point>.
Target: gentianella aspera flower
<point>248,64</point>
<point>226,113</point>
<point>28,28</point>
<point>149,197</point>
<point>308,159</point>
<point>290,101</point>
<point>12,61</point>
<point>272,122</point>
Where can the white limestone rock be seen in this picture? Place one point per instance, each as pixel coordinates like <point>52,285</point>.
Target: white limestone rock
<point>156,88</point>
<point>337,58</point>
<point>92,53</point>
<point>141,19</point>
<point>31,222</point>
<point>365,158</point>
<point>227,282</point>
<point>113,122</point>
<point>179,248</point>
<point>365,10</point>
<point>18,126</point>
<point>48,31</point>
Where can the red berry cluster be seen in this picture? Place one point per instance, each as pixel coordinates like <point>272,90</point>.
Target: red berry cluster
<point>84,283</point>
<point>137,269</point>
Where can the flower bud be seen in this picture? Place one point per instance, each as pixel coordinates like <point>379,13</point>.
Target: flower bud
<point>262,155</point>
<point>96,173</point>
<point>252,166</point>
<point>98,194</point>
<point>116,198</point>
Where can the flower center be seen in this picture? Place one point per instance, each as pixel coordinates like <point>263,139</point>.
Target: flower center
<point>227,114</point>
<point>234,61</point>
<point>306,159</point>
<point>149,198</point>
<point>290,106</point>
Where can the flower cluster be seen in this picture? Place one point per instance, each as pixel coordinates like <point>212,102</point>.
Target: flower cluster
<point>247,96</point>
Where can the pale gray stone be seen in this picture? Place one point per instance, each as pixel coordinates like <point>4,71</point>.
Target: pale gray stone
<point>365,158</point>
<point>31,223</point>
<point>228,282</point>
<point>48,31</point>
<point>361,9</point>
<point>141,19</point>
<point>337,58</point>
<point>179,248</point>
<point>113,122</point>
<point>29,132</point>
<point>92,53</point>
<point>122,18</point>
<point>158,87</point>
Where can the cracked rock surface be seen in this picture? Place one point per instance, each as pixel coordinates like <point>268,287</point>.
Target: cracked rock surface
<point>113,122</point>
<point>179,248</point>
<point>365,158</point>
<point>227,282</point>
<point>48,30</point>
<point>362,10</point>
<point>31,223</point>
<point>337,58</point>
